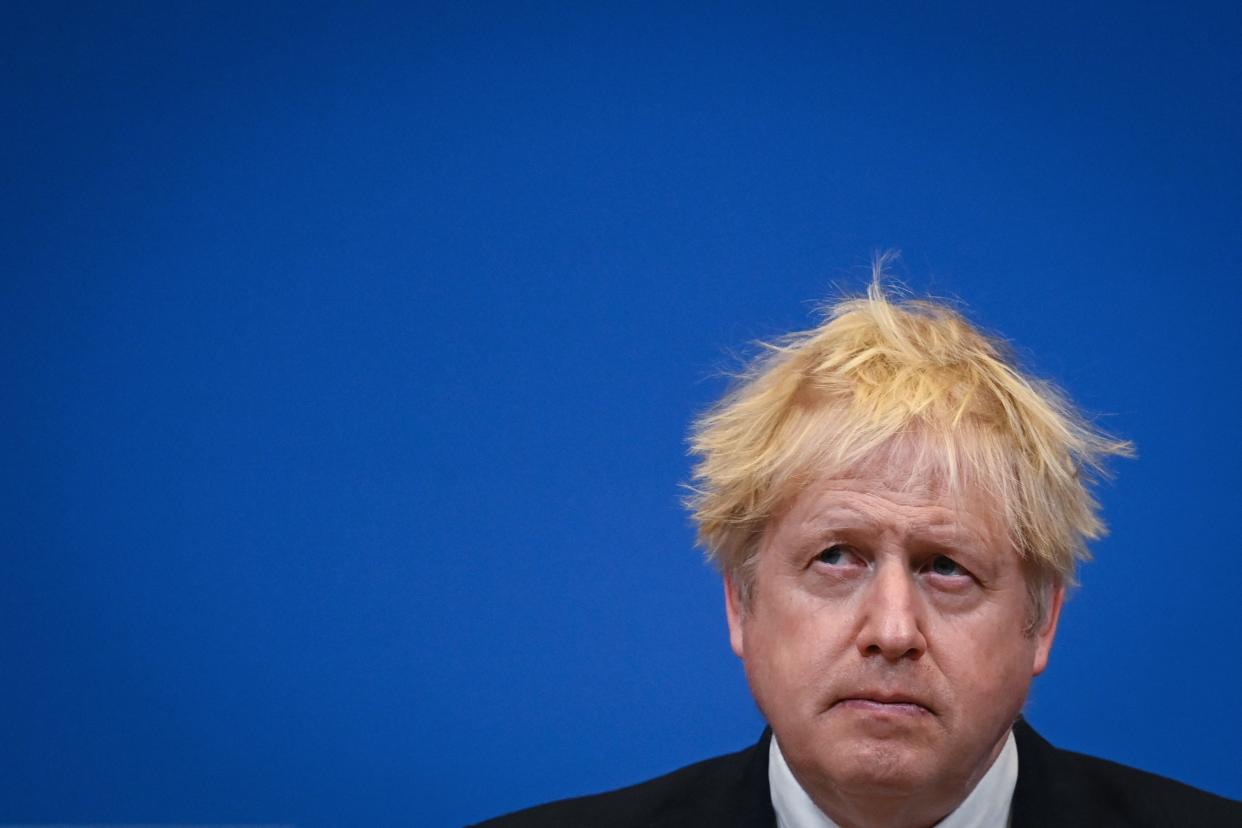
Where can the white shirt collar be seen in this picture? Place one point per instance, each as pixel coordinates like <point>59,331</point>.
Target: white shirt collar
<point>987,806</point>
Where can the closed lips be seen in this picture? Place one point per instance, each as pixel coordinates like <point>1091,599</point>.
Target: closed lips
<point>884,700</point>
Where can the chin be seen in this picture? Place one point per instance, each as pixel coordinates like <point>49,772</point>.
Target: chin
<point>881,767</point>
<point>861,766</point>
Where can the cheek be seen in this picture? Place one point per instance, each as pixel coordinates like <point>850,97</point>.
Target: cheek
<point>985,659</point>
<point>793,653</point>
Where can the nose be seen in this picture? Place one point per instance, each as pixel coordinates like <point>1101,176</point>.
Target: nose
<point>892,616</point>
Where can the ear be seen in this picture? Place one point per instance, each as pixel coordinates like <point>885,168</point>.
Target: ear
<point>735,612</point>
<point>1048,630</point>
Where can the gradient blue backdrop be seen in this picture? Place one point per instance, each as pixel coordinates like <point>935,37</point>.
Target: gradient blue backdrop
<point>349,352</point>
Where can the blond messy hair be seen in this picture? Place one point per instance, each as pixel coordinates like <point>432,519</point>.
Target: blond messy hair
<point>879,370</point>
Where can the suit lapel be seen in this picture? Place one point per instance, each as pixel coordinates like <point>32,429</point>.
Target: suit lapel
<point>734,795</point>
<point>753,802</point>
<point>1042,796</point>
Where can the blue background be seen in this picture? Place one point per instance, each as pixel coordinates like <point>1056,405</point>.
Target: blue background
<point>349,352</point>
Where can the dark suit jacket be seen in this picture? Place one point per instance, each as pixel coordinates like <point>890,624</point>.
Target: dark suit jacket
<point>1055,787</point>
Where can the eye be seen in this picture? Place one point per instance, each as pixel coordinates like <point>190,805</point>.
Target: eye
<point>837,555</point>
<point>946,566</point>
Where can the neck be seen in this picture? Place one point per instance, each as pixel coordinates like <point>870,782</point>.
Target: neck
<point>885,811</point>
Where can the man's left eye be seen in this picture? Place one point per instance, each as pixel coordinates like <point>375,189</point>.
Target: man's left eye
<point>941,565</point>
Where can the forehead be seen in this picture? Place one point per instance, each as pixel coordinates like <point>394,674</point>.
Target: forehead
<point>886,495</point>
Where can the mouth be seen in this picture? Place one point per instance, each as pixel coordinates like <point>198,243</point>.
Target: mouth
<point>884,704</point>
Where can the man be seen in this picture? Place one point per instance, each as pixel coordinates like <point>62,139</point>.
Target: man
<point>896,511</point>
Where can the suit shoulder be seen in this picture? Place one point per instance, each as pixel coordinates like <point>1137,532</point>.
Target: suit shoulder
<point>1151,799</point>
<point>1110,793</point>
<point>686,796</point>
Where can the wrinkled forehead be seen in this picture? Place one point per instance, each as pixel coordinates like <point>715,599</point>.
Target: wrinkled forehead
<point>912,467</point>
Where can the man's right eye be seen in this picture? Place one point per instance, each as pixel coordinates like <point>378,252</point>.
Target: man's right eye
<point>836,555</point>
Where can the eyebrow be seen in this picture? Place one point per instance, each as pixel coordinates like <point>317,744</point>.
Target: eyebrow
<point>847,519</point>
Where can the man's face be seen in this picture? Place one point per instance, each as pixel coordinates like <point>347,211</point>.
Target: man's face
<point>885,639</point>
